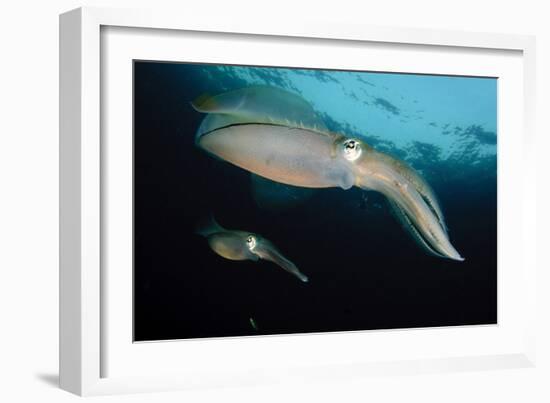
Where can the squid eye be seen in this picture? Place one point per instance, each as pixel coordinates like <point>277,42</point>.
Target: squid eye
<point>350,145</point>
<point>352,149</point>
<point>251,242</point>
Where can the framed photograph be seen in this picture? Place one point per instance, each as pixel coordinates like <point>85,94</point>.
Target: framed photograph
<point>243,203</point>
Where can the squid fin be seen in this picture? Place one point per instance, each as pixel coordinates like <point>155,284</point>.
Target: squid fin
<point>204,103</point>
<point>259,104</point>
<point>209,226</point>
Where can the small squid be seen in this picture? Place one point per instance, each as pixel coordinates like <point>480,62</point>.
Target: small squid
<point>243,245</point>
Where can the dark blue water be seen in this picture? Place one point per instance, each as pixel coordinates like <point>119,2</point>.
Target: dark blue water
<point>365,271</point>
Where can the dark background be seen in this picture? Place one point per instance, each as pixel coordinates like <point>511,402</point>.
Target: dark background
<point>365,271</point>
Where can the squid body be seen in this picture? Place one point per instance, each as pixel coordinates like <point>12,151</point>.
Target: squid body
<point>277,135</point>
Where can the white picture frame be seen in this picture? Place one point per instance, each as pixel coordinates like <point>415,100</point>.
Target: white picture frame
<point>83,178</point>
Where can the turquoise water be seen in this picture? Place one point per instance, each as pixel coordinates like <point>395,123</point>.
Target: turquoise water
<point>401,108</point>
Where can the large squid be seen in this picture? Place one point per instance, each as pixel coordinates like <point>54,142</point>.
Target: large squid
<point>277,135</point>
